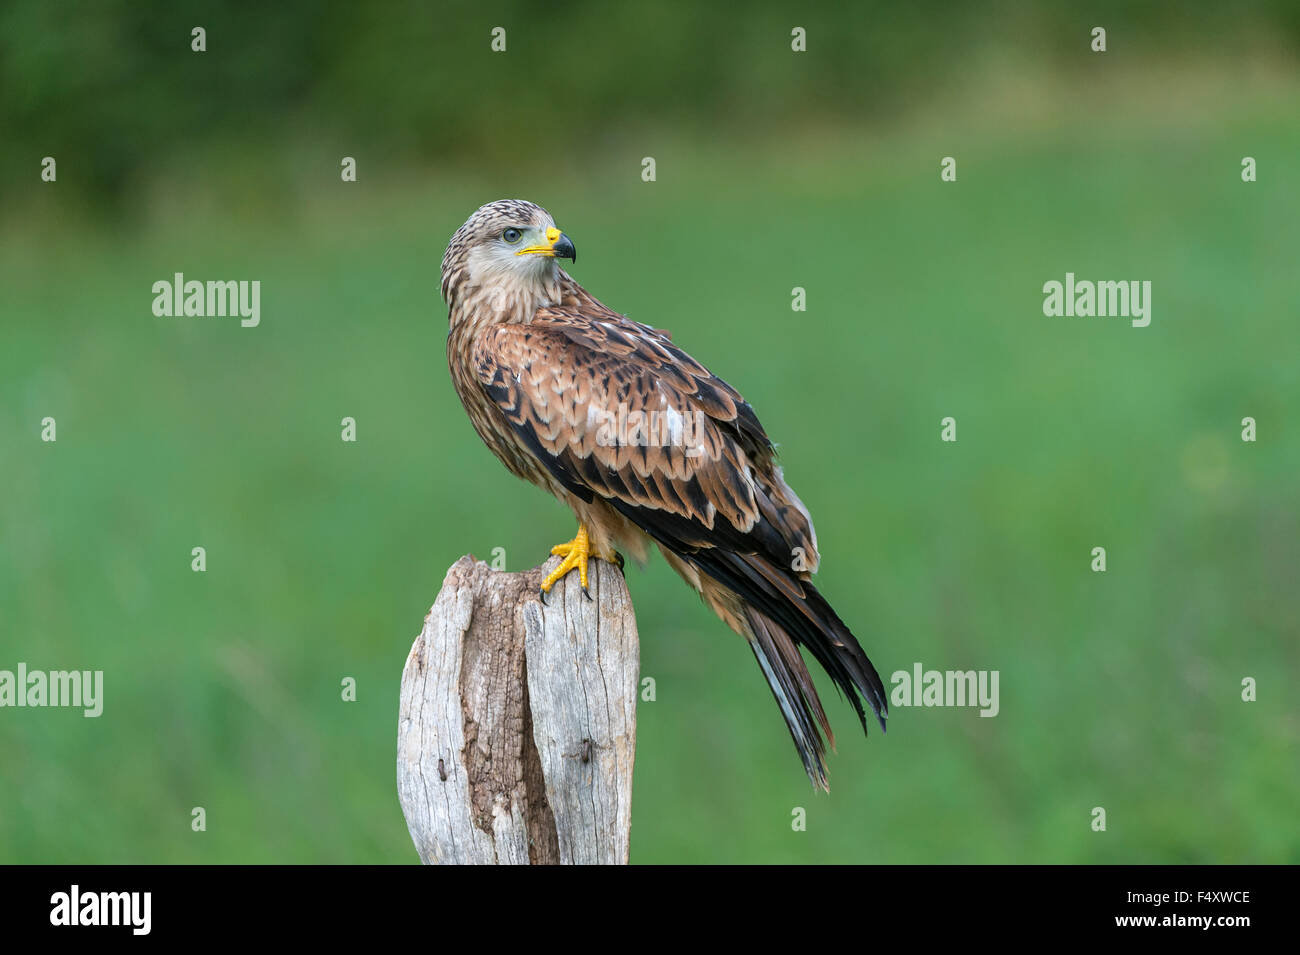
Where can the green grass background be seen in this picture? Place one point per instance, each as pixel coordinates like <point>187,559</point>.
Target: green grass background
<point>1119,690</point>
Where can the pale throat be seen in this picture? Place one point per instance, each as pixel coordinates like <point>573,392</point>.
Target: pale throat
<point>509,295</point>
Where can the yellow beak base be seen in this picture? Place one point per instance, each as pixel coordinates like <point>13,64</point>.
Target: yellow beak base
<point>557,243</point>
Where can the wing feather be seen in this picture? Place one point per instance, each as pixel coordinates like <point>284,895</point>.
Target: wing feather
<point>559,377</point>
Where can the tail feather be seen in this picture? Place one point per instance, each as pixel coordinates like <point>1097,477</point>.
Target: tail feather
<point>792,687</point>
<point>779,612</point>
<point>783,613</point>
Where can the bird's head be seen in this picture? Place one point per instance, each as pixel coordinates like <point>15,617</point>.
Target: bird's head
<point>506,249</point>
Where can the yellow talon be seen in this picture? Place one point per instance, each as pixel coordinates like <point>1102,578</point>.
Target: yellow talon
<point>576,553</point>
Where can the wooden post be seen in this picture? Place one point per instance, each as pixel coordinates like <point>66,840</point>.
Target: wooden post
<point>517,725</point>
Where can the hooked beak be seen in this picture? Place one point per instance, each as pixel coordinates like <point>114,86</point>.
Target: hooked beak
<point>558,245</point>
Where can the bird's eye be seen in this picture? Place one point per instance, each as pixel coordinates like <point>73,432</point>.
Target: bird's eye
<point>512,235</point>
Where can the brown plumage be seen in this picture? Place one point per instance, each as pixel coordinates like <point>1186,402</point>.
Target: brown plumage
<point>547,373</point>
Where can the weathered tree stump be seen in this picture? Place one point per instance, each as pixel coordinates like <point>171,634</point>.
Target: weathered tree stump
<point>517,727</point>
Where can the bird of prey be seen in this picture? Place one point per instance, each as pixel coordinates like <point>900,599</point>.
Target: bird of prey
<point>544,369</point>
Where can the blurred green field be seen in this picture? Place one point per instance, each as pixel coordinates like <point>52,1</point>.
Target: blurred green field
<point>1120,690</point>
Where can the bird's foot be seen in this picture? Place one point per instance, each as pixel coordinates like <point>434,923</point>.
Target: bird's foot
<point>576,553</point>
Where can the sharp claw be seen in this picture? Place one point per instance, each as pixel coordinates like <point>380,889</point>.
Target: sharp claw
<point>541,595</point>
<point>618,559</point>
<point>576,553</point>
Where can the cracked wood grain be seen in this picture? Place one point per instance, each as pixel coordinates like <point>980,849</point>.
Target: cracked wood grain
<point>517,720</point>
